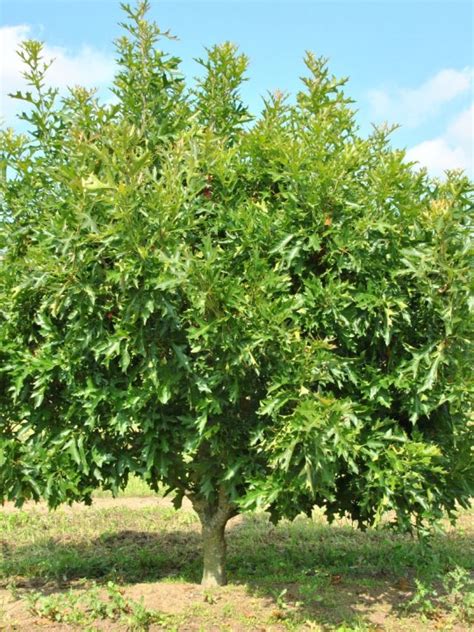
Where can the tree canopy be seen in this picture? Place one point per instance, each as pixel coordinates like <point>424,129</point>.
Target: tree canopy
<point>256,312</point>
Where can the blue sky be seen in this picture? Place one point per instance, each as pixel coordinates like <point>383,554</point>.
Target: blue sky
<point>409,61</point>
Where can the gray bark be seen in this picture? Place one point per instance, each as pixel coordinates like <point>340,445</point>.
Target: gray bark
<point>214,554</point>
<point>213,517</point>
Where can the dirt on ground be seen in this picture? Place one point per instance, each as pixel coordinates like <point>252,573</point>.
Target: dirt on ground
<point>339,602</point>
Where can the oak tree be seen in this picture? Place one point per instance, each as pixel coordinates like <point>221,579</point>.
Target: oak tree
<point>265,312</point>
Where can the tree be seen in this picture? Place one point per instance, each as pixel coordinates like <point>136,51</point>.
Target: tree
<point>265,313</point>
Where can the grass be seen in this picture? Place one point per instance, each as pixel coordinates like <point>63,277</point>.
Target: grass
<point>135,567</point>
<point>95,603</point>
<point>136,488</point>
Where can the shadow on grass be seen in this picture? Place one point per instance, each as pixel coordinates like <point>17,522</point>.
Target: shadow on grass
<point>311,571</point>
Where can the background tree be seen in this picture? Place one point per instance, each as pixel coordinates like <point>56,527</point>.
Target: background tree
<point>257,315</point>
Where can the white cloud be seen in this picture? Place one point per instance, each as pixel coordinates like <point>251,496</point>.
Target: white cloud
<point>451,150</point>
<point>461,128</point>
<point>412,106</point>
<point>87,67</point>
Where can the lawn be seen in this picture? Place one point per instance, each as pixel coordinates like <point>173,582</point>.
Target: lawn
<point>133,563</point>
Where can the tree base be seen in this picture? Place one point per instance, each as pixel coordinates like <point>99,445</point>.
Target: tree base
<point>213,519</point>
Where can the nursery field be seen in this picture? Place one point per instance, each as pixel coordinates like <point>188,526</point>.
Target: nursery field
<point>254,306</point>
<point>134,563</point>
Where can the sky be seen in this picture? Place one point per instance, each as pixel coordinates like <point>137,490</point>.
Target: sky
<point>409,62</point>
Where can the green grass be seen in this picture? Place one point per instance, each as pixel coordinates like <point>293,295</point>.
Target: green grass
<point>83,609</point>
<point>136,488</point>
<point>70,565</point>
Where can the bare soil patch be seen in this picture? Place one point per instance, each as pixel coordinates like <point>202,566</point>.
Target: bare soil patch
<point>134,564</point>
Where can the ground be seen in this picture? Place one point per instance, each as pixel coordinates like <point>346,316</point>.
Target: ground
<point>133,563</point>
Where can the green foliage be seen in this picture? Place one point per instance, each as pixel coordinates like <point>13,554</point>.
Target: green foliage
<point>457,597</point>
<point>273,312</point>
<point>86,608</point>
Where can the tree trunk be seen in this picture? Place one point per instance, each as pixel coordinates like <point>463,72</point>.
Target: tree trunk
<point>213,517</point>
<point>214,553</point>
